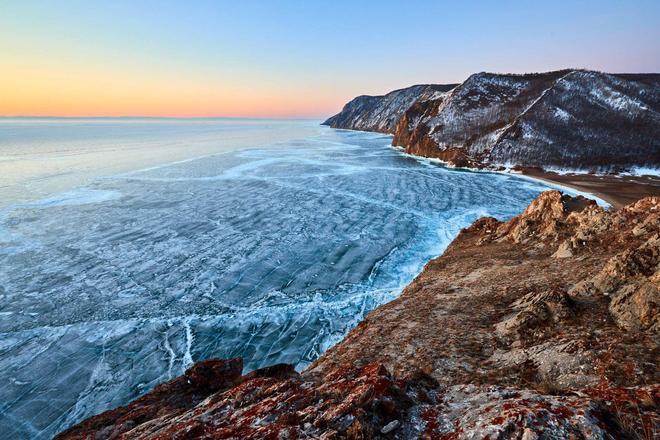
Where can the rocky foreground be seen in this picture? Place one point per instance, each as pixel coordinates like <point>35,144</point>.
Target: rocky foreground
<point>545,326</point>
<point>569,119</point>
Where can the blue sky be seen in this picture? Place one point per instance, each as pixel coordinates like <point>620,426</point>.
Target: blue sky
<point>294,58</point>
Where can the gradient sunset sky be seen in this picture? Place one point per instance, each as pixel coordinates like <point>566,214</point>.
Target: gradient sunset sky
<point>293,58</point>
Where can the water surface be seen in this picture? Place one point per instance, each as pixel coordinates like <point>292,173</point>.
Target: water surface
<point>271,253</point>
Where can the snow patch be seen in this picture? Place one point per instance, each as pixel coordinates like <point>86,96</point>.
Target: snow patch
<point>642,171</point>
<point>562,114</point>
<point>616,100</point>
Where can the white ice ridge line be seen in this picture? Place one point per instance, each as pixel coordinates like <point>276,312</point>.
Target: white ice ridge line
<point>377,264</point>
<point>70,416</point>
<point>241,171</point>
<point>247,311</point>
<point>190,159</point>
<point>187,357</point>
<point>359,198</point>
<point>168,347</point>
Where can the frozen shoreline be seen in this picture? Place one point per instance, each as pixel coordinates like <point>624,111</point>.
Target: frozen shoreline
<point>608,190</point>
<point>565,188</point>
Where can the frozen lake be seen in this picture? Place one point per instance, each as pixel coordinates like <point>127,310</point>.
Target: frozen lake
<point>270,246</point>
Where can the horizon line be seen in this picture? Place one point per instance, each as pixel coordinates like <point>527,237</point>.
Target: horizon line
<point>160,117</point>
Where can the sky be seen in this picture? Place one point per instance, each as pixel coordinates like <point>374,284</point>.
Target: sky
<point>285,59</point>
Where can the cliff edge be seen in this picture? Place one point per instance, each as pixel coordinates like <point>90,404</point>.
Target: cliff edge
<point>544,326</point>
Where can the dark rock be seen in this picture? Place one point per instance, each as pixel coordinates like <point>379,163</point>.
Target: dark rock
<point>214,375</point>
<point>277,371</point>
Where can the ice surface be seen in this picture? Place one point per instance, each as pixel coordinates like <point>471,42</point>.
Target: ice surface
<point>269,254</point>
<point>40,156</point>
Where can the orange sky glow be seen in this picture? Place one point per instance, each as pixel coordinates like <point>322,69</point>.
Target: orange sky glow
<point>49,90</point>
<point>282,59</point>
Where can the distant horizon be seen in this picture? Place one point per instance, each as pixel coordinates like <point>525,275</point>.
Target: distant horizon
<point>289,60</point>
<point>284,118</point>
<point>264,118</point>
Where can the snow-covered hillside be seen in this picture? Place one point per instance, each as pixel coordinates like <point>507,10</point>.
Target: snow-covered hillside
<point>573,119</point>
<point>381,113</point>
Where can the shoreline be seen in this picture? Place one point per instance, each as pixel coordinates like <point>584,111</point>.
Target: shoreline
<point>617,190</point>
<point>471,377</point>
<point>573,190</point>
<point>477,359</point>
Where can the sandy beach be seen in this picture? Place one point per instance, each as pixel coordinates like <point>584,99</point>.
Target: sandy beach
<point>615,189</point>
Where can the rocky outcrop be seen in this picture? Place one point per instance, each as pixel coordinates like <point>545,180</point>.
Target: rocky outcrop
<point>381,113</point>
<point>355,403</point>
<point>544,326</point>
<point>572,119</point>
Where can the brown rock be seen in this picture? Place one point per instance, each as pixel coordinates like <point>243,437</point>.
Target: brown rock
<point>635,307</point>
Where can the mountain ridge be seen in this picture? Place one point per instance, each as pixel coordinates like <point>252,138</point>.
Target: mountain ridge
<point>381,112</point>
<point>571,118</point>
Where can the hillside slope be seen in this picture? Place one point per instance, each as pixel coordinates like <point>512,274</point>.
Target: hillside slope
<point>572,119</point>
<point>381,113</point>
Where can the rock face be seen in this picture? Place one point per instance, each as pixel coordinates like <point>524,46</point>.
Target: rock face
<point>572,119</point>
<point>545,326</point>
<point>381,113</point>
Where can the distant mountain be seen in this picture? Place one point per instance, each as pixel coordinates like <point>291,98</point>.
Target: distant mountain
<point>573,119</point>
<point>381,113</point>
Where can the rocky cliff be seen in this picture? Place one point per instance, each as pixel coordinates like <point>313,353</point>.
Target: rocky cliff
<point>545,326</point>
<point>381,113</point>
<point>573,119</point>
